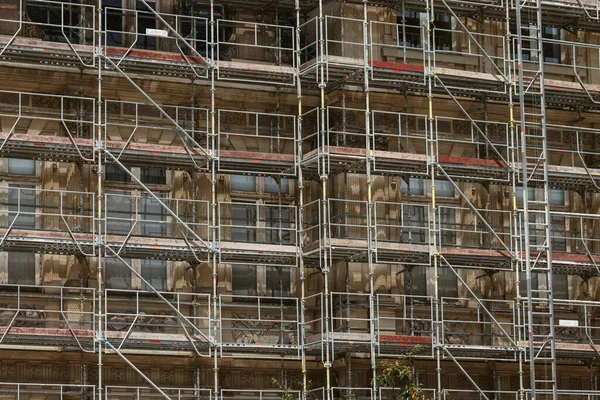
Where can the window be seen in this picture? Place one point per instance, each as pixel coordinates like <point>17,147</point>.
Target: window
<point>412,28</point>
<point>153,216</point>
<point>118,212</point>
<point>243,219</point>
<point>243,280</point>
<point>18,166</point>
<point>278,219</point>
<point>556,197</point>
<point>155,272</point>
<point>413,224</point>
<point>523,283</point>
<point>551,49</point>
<point>415,281</point>
<point>114,173</point>
<point>278,281</point>
<point>444,188</point>
<point>113,22</point>
<point>243,183</point>
<point>271,185</point>
<point>154,176</point>
<point>560,286</point>
<point>529,43</point>
<point>117,275</point>
<point>197,37</point>
<point>448,225</point>
<point>447,283</point>
<point>416,187</point>
<point>145,20</point>
<point>530,194</point>
<point>21,206</point>
<point>557,233</point>
<point>443,32</point>
<point>21,268</point>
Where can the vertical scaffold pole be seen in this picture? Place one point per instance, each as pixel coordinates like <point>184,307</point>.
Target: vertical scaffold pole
<point>99,238</point>
<point>213,203</point>
<point>368,159</point>
<point>300,203</point>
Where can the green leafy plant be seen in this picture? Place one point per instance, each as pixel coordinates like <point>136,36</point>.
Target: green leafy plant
<point>398,377</point>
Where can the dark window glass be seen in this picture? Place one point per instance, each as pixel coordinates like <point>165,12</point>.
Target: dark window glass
<point>443,34</point>
<point>243,218</point>
<point>415,281</point>
<point>21,268</point>
<point>115,173</point>
<point>243,280</point>
<point>448,283</point>
<point>556,197</point>
<point>243,183</point>
<point>18,166</point>
<point>560,286</point>
<point>551,49</point>
<point>523,283</point>
<point>278,220</point>
<point>448,225</point>
<point>417,186</point>
<point>155,272</point>
<point>146,20</point>
<point>153,216</point>
<point>113,22</point>
<point>155,176</point>
<point>118,212</point>
<point>117,275</point>
<point>530,194</point>
<point>412,30</point>
<point>413,224</point>
<point>444,188</point>
<point>272,187</point>
<point>278,278</point>
<point>21,206</point>
<point>558,233</point>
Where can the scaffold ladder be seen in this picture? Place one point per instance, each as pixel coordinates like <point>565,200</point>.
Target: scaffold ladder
<point>536,233</point>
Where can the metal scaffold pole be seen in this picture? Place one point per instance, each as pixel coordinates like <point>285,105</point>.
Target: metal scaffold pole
<point>323,175</point>
<point>368,159</point>
<point>99,237</point>
<point>299,227</point>
<point>213,203</point>
<point>431,164</point>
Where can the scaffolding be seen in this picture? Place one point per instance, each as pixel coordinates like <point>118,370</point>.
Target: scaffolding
<point>433,97</point>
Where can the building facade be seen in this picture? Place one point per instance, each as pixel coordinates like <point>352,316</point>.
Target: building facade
<point>276,200</point>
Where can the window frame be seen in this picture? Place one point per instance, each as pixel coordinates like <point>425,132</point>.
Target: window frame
<point>31,267</point>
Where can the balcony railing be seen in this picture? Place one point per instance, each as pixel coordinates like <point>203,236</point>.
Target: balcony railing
<point>69,23</point>
<point>490,324</point>
<point>144,393</point>
<point>66,313</point>
<point>36,114</point>
<point>143,215</point>
<point>246,133</point>
<point>135,319</point>
<point>259,322</point>
<point>184,37</point>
